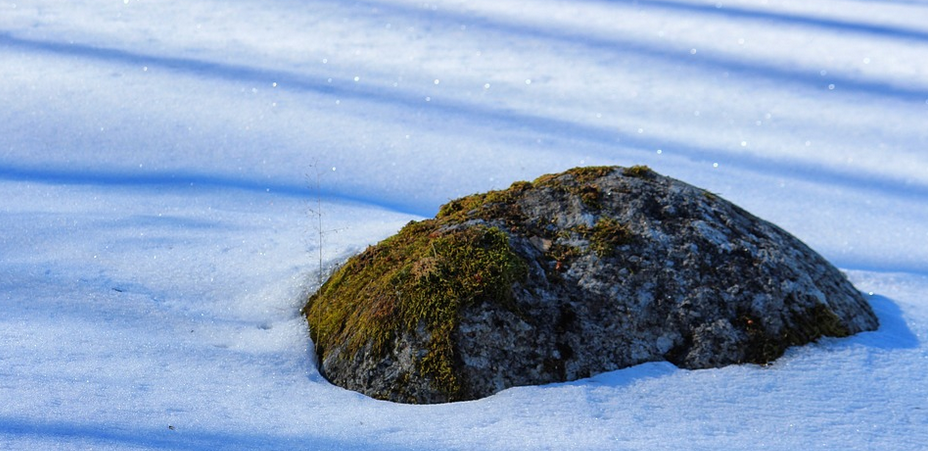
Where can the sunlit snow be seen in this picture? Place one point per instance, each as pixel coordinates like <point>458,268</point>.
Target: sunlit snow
<point>168,174</point>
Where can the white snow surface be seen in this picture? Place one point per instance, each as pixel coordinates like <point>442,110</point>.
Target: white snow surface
<point>164,166</point>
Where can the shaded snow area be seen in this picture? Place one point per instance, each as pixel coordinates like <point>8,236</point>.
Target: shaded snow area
<point>166,169</point>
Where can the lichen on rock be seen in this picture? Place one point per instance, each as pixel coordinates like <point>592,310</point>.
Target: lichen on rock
<point>571,275</point>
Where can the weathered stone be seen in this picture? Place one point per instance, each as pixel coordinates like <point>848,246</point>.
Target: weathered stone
<point>571,275</point>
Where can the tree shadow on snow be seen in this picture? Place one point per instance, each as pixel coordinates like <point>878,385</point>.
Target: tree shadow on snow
<point>496,117</point>
<point>166,437</point>
<point>784,18</point>
<point>182,180</point>
<point>618,44</point>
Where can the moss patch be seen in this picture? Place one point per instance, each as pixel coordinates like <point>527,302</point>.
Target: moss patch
<point>582,175</point>
<point>578,181</point>
<point>490,205</point>
<point>817,322</point>
<point>640,171</point>
<point>415,284</point>
<point>607,235</point>
<point>421,277</point>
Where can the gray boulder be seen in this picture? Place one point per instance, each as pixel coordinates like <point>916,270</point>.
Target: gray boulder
<point>573,274</point>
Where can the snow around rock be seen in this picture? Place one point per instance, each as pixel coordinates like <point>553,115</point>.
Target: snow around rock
<point>161,165</point>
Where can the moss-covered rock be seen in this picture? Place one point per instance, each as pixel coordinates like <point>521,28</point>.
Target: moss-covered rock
<point>569,275</point>
<point>419,279</point>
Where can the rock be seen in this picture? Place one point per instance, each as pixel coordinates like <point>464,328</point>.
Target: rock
<point>571,275</point>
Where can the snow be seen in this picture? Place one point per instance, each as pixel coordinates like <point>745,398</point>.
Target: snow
<point>164,166</point>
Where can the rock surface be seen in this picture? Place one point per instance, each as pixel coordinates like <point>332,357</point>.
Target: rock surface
<point>571,275</point>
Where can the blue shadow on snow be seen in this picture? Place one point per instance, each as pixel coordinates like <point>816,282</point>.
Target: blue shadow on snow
<point>680,55</point>
<point>496,117</point>
<point>810,79</point>
<point>187,180</point>
<point>783,18</point>
<point>168,437</point>
<point>893,333</point>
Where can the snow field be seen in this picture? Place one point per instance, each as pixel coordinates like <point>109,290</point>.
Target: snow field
<point>162,166</point>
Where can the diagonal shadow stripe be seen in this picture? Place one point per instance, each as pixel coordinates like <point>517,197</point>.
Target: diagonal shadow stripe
<point>86,434</point>
<point>495,117</point>
<point>713,63</point>
<point>180,180</point>
<point>414,101</point>
<point>781,18</point>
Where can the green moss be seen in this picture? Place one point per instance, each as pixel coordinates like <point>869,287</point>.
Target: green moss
<point>590,195</point>
<point>589,173</point>
<point>563,253</point>
<point>640,171</point>
<point>499,204</point>
<point>604,237</point>
<point>575,176</point>
<point>578,181</point>
<point>421,277</point>
<point>520,186</point>
<point>816,322</point>
<point>607,235</point>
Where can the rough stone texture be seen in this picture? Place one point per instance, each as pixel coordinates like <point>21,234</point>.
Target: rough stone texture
<point>606,268</point>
